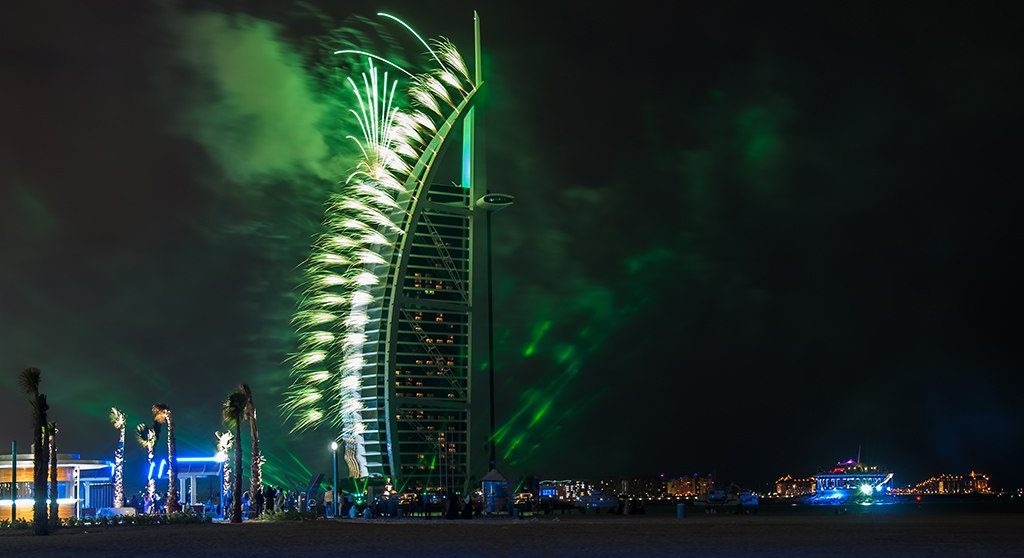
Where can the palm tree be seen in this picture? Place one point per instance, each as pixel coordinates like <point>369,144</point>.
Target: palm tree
<point>147,436</point>
<point>162,414</point>
<point>117,419</point>
<point>29,381</point>
<point>234,414</point>
<point>54,506</point>
<point>224,442</point>
<point>256,475</point>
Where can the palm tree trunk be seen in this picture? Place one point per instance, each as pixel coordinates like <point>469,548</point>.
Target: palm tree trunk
<point>54,506</point>
<point>256,482</point>
<point>41,465</point>
<point>172,468</point>
<point>256,473</point>
<point>236,488</point>
<point>226,488</point>
<point>119,471</point>
<point>151,484</point>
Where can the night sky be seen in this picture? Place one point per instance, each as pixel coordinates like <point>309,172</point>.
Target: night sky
<point>745,240</point>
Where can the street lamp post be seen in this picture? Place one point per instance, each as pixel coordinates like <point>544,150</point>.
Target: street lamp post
<point>14,481</point>
<point>222,459</point>
<point>334,486</point>
<point>491,202</point>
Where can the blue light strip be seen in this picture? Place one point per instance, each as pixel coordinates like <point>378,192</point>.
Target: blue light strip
<point>468,133</point>
<point>151,467</point>
<point>163,463</point>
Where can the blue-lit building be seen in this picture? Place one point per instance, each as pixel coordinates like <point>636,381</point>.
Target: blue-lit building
<point>199,479</point>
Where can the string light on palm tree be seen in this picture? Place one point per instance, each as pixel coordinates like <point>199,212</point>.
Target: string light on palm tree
<point>225,440</point>
<point>147,436</point>
<point>54,504</point>
<point>117,419</point>
<point>29,381</point>
<point>233,413</point>
<point>162,415</point>
<point>256,471</point>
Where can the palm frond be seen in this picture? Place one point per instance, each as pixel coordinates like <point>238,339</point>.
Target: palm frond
<point>29,380</point>
<point>116,418</point>
<point>160,412</point>
<point>233,410</point>
<point>224,440</point>
<point>147,434</point>
<point>250,406</point>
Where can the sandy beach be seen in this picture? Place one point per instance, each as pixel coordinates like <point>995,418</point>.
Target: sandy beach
<point>947,535</point>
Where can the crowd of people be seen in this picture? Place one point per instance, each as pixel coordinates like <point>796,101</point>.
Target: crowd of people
<point>410,505</point>
<point>269,500</point>
<point>277,499</point>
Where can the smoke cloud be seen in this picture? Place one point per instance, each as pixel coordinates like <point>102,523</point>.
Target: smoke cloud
<point>255,110</point>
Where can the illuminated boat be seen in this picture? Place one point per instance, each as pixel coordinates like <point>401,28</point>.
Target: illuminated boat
<point>852,482</point>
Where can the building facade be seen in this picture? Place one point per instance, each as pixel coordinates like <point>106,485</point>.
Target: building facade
<point>644,487</point>
<point>682,486</point>
<point>564,490</point>
<point>690,485</point>
<point>791,487</point>
<point>973,483</point>
<point>393,340</point>
<point>82,486</point>
<point>428,427</point>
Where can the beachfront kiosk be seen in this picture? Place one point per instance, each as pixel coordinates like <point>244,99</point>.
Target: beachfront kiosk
<point>495,489</point>
<point>82,484</point>
<point>196,476</point>
<point>192,470</point>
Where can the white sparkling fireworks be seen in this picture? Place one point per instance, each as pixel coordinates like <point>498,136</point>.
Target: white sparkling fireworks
<point>352,259</point>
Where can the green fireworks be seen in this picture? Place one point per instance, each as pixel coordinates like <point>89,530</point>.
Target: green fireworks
<point>340,314</point>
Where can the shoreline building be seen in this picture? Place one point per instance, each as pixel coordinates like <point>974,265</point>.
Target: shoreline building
<point>973,483</point>
<point>394,327</point>
<point>82,484</point>
<point>790,487</point>
<point>427,430</point>
<point>690,485</point>
<point>644,487</point>
<point>564,490</point>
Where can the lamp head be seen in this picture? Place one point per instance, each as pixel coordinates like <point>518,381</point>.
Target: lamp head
<point>494,201</point>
